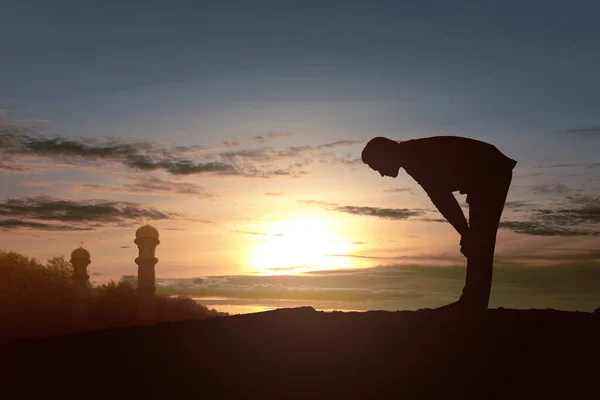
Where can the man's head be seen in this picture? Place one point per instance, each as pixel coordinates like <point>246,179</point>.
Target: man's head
<point>381,154</point>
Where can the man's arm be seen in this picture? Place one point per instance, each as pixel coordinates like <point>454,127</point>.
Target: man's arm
<point>446,203</point>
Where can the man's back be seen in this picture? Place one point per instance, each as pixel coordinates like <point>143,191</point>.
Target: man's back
<point>451,163</point>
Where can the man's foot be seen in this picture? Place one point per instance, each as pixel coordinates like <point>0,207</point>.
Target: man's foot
<point>463,307</point>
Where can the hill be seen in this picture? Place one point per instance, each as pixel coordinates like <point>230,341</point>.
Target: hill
<point>504,354</point>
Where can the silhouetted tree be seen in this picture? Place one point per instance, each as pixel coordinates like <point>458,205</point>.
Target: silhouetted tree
<point>181,308</point>
<point>113,304</point>
<point>33,297</point>
<point>37,300</point>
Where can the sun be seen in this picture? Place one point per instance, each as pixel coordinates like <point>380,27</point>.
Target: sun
<point>299,244</point>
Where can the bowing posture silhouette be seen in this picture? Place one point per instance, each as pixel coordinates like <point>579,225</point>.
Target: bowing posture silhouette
<point>445,164</point>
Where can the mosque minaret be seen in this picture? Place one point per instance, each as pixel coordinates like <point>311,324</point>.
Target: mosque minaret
<point>146,239</point>
<point>80,259</point>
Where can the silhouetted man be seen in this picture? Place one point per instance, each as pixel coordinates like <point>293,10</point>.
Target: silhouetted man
<point>445,164</point>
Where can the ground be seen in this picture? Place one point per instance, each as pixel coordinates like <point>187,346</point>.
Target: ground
<point>504,354</point>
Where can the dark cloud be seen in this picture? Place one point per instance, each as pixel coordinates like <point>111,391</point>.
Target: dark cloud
<point>155,185</point>
<point>556,188</point>
<point>139,156</point>
<point>433,220</point>
<point>142,156</point>
<point>15,224</point>
<point>273,136</point>
<point>517,204</point>
<point>388,213</point>
<point>37,212</point>
<point>347,161</point>
<point>178,166</point>
<point>269,154</point>
<point>578,216</point>
<point>590,131</point>
<point>541,228</point>
<point>125,247</point>
<point>398,190</point>
<point>339,143</point>
<point>564,255</point>
<point>563,165</point>
<point>266,154</point>
<point>18,140</point>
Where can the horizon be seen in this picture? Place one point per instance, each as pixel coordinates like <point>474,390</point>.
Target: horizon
<point>236,131</point>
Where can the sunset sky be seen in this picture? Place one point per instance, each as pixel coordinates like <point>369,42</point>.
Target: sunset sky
<point>235,128</point>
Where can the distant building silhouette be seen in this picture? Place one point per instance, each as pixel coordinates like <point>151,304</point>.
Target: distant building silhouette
<point>146,238</point>
<point>80,259</point>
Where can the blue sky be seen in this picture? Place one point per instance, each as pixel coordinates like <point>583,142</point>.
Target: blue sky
<point>263,86</point>
<point>471,66</point>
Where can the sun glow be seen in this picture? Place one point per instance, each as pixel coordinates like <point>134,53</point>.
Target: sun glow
<point>299,244</point>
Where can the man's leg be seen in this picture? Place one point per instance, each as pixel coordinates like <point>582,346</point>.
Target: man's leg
<point>485,210</point>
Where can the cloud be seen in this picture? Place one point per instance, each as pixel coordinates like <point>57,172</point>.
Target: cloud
<point>14,167</point>
<point>590,131</point>
<point>18,140</point>
<point>154,186</point>
<point>339,143</point>
<point>399,190</point>
<point>140,156</point>
<point>570,285</point>
<point>564,165</point>
<point>231,143</point>
<point>269,154</point>
<point>26,143</point>
<point>15,224</point>
<point>556,188</point>
<point>282,288</point>
<point>517,204</point>
<point>273,136</point>
<point>541,228</point>
<point>578,216</point>
<point>388,213</point>
<point>38,212</point>
<point>178,166</point>
<point>347,161</point>
<point>274,194</point>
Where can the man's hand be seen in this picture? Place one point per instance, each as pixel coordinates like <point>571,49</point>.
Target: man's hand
<point>447,205</point>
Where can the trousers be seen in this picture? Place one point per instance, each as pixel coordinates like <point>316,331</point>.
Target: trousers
<point>486,204</point>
